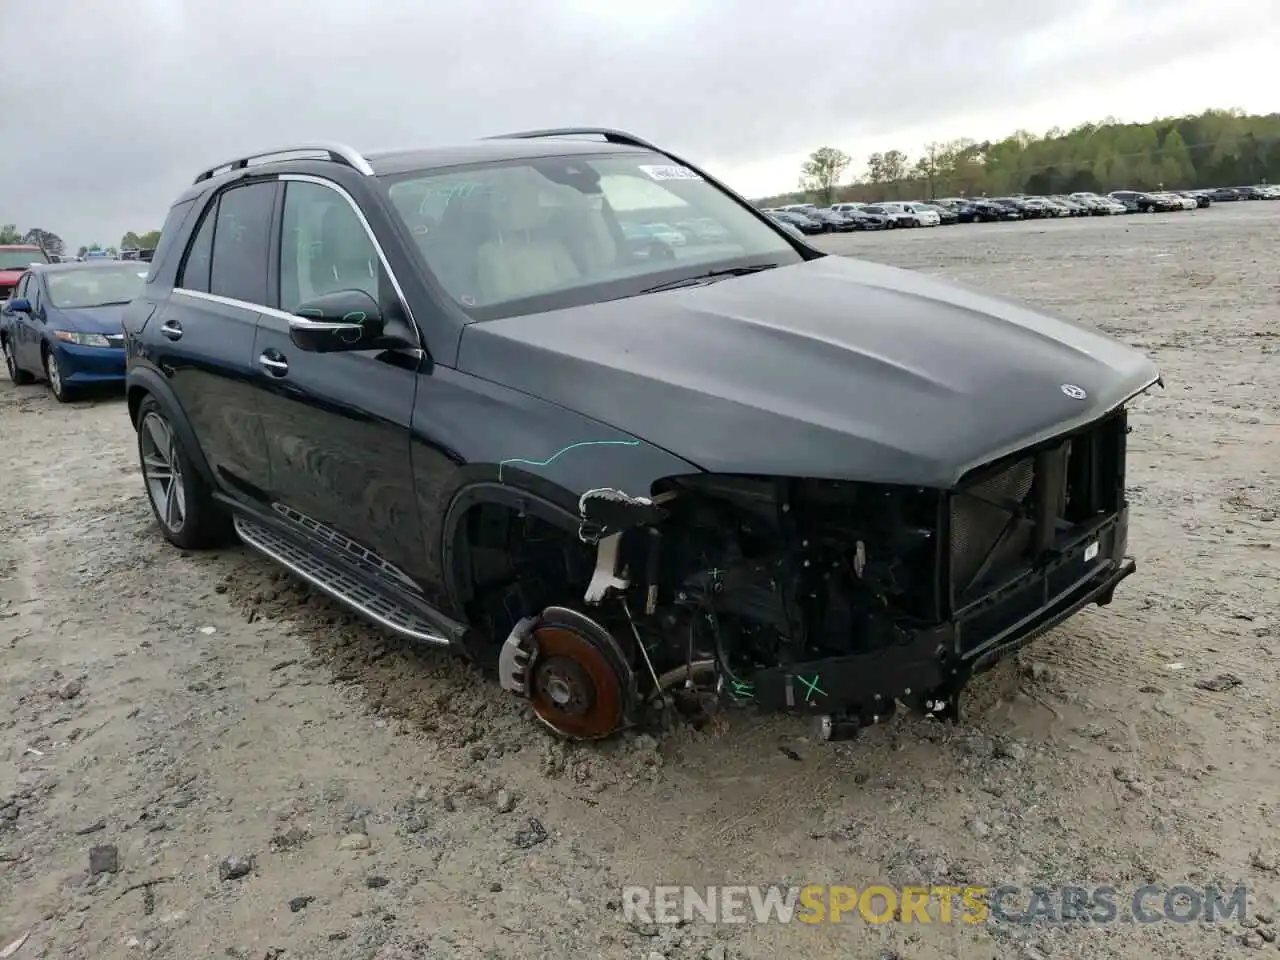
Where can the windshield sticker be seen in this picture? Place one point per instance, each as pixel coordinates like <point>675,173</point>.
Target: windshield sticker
<point>669,172</point>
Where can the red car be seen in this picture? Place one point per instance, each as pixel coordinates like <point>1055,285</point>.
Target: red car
<point>14,259</point>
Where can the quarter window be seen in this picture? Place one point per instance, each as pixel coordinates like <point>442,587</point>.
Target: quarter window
<point>240,243</point>
<point>324,247</point>
<point>195,272</point>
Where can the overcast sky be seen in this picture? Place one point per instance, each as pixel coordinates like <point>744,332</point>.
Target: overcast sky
<point>114,107</point>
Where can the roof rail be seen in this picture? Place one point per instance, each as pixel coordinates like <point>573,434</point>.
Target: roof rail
<point>610,136</point>
<point>336,152</point>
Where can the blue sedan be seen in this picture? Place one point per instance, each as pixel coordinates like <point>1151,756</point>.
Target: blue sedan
<point>62,324</point>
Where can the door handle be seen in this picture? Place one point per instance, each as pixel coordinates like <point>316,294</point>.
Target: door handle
<point>171,329</point>
<point>276,366</point>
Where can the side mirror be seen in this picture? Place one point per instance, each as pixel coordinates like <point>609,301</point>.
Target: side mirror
<point>343,320</point>
<point>19,305</point>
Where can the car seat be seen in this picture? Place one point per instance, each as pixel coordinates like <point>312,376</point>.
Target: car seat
<point>452,248</point>
<point>521,260</point>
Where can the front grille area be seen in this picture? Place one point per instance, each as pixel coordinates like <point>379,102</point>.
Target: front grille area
<point>987,530</point>
<point>1011,515</point>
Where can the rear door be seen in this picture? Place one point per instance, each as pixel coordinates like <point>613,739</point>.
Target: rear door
<point>338,424</point>
<point>204,332</point>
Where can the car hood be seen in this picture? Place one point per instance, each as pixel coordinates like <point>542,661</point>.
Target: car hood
<point>833,368</point>
<point>105,320</point>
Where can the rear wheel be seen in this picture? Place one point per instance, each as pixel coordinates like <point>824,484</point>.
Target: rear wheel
<point>53,373</point>
<point>16,374</point>
<point>180,498</point>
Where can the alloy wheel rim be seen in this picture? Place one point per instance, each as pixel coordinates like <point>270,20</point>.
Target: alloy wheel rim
<point>162,470</point>
<point>55,375</point>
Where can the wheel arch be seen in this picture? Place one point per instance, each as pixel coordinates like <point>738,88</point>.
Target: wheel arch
<point>532,497</point>
<point>554,500</point>
<point>143,383</point>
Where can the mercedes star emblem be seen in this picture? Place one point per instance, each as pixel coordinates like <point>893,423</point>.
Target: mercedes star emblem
<point>1074,392</point>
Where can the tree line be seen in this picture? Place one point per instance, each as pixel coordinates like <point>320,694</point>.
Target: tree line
<point>1215,148</point>
<point>54,246</point>
<point>49,242</point>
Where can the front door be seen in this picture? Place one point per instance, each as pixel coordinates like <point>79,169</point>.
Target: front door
<point>20,329</point>
<point>337,424</point>
<point>204,333</point>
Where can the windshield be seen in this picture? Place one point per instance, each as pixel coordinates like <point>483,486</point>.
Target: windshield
<point>95,286</point>
<point>554,232</point>
<point>21,259</point>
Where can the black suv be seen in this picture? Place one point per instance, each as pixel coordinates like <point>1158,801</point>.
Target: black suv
<point>441,386</point>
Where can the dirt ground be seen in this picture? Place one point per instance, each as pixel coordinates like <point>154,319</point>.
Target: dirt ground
<point>278,780</point>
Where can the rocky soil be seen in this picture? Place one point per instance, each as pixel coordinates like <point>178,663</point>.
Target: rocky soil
<point>198,758</point>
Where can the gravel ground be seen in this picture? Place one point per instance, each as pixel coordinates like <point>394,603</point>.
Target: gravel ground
<point>200,759</point>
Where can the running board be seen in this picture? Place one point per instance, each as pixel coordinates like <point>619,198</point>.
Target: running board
<point>329,577</point>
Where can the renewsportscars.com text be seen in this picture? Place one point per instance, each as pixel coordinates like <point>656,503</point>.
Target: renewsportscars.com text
<point>826,903</point>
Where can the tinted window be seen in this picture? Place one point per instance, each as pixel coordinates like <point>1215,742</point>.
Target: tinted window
<point>195,271</point>
<point>33,291</point>
<point>21,289</point>
<point>240,243</point>
<point>323,247</point>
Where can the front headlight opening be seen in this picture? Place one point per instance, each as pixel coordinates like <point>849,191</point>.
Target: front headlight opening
<point>82,339</point>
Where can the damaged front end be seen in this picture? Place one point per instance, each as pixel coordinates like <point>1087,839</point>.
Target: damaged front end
<point>839,599</point>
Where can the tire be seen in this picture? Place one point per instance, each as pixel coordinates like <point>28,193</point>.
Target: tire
<point>53,375</point>
<point>187,514</point>
<point>17,375</point>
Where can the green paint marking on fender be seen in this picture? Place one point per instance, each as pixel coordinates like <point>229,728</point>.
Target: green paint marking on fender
<point>561,452</point>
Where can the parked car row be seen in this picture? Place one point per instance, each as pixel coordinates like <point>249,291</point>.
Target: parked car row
<point>98,255</point>
<point>808,219</point>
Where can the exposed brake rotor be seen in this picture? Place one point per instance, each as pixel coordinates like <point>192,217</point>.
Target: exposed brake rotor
<point>573,672</point>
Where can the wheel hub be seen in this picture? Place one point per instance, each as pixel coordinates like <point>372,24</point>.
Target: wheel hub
<point>564,684</point>
<point>576,689</point>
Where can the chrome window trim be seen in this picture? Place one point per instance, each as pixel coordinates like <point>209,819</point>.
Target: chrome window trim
<point>232,302</point>
<point>259,308</point>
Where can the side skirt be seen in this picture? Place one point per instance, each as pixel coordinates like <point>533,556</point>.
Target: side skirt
<point>366,592</point>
